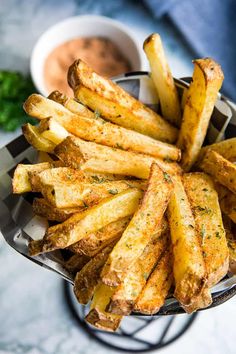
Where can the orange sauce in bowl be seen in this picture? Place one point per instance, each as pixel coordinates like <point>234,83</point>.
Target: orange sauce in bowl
<point>99,52</point>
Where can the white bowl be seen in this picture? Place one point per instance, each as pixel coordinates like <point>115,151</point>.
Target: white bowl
<point>82,26</point>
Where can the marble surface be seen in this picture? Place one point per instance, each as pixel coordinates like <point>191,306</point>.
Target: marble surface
<point>33,315</point>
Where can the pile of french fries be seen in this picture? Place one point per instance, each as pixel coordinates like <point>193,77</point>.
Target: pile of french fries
<point>134,198</point>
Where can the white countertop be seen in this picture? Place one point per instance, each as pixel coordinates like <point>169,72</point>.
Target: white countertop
<point>33,315</point>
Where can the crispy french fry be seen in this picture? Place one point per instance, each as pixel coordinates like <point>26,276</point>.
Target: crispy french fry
<point>117,105</point>
<point>226,148</point>
<point>76,262</point>
<point>82,224</point>
<point>95,242</point>
<point>81,194</point>
<point>157,287</point>
<point>227,201</point>
<point>90,156</point>
<point>163,80</point>
<point>124,298</point>
<point>65,176</point>
<point>188,267</point>
<point>97,315</point>
<point>97,130</point>
<point>209,225</point>
<point>89,276</point>
<point>35,139</point>
<point>146,221</point>
<point>71,104</point>
<point>21,182</point>
<point>42,208</point>
<point>219,168</point>
<point>202,94</point>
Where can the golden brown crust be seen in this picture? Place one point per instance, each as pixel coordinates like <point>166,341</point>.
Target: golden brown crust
<point>206,210</point>
<point>117,105</point>
<point>95,242</point>
<point>219,168</point>
<point>88,277</point>
<point>143,225</point>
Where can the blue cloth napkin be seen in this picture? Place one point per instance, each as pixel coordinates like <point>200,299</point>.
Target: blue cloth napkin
<point>209,26</point>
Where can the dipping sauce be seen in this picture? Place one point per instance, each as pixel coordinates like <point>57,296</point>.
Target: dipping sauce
<point>98,52</point>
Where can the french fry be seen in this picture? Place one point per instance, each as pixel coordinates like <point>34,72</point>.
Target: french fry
<point>188,266</point>
<point>97,315</point>
<point>76,262</point>
<point>35,139</point>
<point>65,176</point>
<point>97,130</point>
<point>202,94</point>
<point>157,287</point>
<point>42,208</point>
<point>209,225</point>
<point>95,242</point>
<point>60,175</point>
<point>89,276</point>
<point>116,105</point>
<point>145,222</point>
<point>163,80</point>
<point>71,104</point>
<point>219,168</point>
<point>21,182</point>
<point>82,224</point>
<point>227,201</point>
<point>124,298</point>
<point>81,194</point>
<point>90,156</point>
<point>226,148</point>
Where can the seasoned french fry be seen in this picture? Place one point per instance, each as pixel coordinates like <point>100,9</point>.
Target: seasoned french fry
<point>71,104</point>
<point>226,148</point>
<point>81,194</point>
<point>202,94</point>
<point>21,182</point>
<point>123,299</point>
<point>97,130</point>
<point>209,225</point>
<point>65,176</point>
<point>97,315</point>
<point>42,208</point>
<point>116,105</point>
<point>95,242</point>
<point>219,168</point>
<point>163,80</point>
<point>188,267</point>
<point>90,156</point>
<point>227,201</point>
<point>35,139</point>
<point>142,226</point>
<point>89,276</point>
<point>61,175</point>
<point>157,287</point>
<point>82,224</point>
<point>76,262</point>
